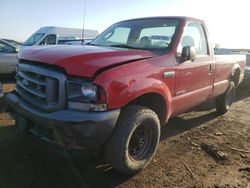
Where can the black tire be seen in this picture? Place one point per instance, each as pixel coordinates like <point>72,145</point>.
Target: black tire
<point>134,140</point>
<point>224,102</point>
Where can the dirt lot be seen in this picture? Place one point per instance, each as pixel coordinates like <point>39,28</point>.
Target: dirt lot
<point>197,149</point>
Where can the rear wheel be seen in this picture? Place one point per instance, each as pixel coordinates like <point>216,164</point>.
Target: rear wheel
<point>224,102</point>
<point>134,140</point>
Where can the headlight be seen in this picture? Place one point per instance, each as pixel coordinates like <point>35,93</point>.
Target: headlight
<point>84,95</point>
<point>81,91</point>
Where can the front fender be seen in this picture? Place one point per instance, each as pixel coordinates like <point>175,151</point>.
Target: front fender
<point>125,83</point>
<point>135,88</point>
<point>122,91</point>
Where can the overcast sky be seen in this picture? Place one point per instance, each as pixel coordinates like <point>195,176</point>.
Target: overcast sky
<point>227,20</point>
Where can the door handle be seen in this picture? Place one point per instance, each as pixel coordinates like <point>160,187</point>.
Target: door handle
<point>210,69</point>
<point>169,74</point>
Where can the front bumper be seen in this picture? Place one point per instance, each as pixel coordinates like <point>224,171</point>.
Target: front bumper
<point>71,129</point>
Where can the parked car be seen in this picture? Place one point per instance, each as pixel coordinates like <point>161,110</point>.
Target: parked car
<point>114,94</point>
<point>8,57</point>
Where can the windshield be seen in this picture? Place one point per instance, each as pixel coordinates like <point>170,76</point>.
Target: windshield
<point>33,39</point>
<point>154,34</point>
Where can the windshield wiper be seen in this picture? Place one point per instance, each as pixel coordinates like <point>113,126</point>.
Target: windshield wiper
<point>123,46</point>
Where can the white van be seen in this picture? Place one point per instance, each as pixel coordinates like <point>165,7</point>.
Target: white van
<point>51,35</point>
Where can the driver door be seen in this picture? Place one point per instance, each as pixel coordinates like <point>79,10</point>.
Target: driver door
<point>193,78</point>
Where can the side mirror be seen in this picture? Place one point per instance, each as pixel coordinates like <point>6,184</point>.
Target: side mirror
<point>188,53</point>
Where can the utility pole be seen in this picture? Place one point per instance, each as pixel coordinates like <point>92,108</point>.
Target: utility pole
<point>83,22</point>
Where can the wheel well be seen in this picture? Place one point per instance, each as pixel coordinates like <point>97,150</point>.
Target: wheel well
<point>236,77</point>
<point>154,102</point>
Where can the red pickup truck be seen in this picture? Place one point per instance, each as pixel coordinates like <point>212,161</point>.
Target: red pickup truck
<point>114,94</point>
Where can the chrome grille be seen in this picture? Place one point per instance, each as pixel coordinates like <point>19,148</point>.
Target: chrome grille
<point>42,87</point>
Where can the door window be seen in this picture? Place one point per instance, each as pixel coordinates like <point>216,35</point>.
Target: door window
<point>49,40</point>
<point>159,37</point>
<point>194,36</point>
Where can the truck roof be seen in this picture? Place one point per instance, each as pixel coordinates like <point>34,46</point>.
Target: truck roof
<point>167,17</point>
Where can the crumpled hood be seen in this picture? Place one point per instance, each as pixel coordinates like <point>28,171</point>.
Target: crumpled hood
<point>82,60</point>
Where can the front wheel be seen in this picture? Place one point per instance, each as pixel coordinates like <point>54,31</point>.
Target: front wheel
<point>224,102</point>
<point>134,140</point>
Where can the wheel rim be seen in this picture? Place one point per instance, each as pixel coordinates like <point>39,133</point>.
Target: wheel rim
<point>230,98</point>
<point>140,141</point>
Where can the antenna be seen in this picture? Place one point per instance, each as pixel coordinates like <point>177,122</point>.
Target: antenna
<point>84,10</point>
